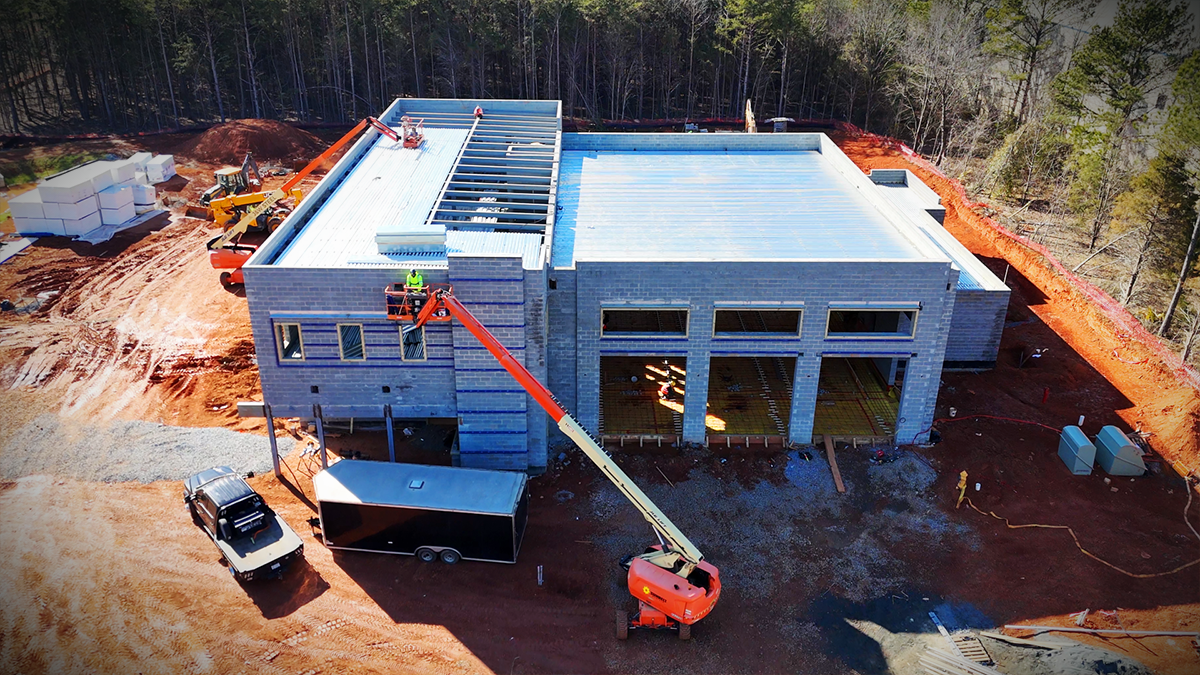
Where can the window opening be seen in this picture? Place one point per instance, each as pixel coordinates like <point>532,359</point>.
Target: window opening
<point>412,344</point>
<point>670,322</point>
<point>287,337</point>
<point>872,323</point>
<point>740,322</point>
<point>350,341</point>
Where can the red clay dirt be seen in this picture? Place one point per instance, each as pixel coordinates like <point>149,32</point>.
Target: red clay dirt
<point>1162,395</point>
<point>269,140</point>
<point>109,575</point>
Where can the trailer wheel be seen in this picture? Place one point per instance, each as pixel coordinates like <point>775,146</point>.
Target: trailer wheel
<point>622,624</point>
<point>450,556</point>
<point>426,555</point>
<point>685,631</point>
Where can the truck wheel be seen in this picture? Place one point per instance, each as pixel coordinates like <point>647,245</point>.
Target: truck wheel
<point>622,624</point>
<point>685,631</point>
<point>195,515</point>
<point>427,555</point>
<point>450,556</point>
<point>226,279</point>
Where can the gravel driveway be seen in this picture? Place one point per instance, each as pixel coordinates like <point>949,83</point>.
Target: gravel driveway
<point>127,450</point>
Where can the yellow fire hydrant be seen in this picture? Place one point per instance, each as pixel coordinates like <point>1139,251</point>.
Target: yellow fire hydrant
<point>962,488</point>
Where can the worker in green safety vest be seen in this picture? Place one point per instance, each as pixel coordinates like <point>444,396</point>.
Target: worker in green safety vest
<point>415,280</point>
<point>415,285</point>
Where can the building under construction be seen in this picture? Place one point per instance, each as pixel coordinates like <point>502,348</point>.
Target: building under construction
<point>720,288</point>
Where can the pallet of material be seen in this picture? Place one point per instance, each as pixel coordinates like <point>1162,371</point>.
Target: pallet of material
<point>938,662</point>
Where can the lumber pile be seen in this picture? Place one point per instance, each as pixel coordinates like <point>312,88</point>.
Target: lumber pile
<point>97,194</point>
<point>938,662</point>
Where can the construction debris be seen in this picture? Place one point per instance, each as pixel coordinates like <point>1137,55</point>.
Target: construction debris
<point>938,662</point>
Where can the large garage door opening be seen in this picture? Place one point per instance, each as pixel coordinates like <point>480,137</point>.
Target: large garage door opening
<point>749,396</point>
<point>642,396</point>
<point>859,397</point>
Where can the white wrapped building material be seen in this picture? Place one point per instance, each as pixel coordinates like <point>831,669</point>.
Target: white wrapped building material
<point>27,205</point>
<point>80,226</point>
<point>102,176</point>
<point>80,209</point>
<point>39,226</point>
<point>160,168</point>
<point>117,216</point>
<point>67,188</point>
<point>116,197</point>
<point>144,195</point>
<point>139,160</point>
<point>122,170</point>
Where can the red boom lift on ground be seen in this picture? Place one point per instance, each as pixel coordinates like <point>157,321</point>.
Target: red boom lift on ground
<point>674,585</point>
<point>226,253</point>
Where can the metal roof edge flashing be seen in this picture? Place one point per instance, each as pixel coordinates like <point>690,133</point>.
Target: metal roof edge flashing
<point>903,222</point>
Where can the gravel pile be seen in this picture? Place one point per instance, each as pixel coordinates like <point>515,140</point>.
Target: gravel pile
<point>123,451</point>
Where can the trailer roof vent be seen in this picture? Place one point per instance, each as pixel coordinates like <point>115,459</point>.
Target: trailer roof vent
<point>416,484</point>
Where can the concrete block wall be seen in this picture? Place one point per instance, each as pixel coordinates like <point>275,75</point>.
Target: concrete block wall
<point>497,428</point>
<point>697,287</point>
<point>560,350</point>
<point>319,299</point>
<point>976,329</point>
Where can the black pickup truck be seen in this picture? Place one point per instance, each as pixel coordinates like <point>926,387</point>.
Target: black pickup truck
<point>254,540</point>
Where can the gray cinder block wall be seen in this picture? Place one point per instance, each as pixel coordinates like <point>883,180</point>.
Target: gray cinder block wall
<point>697,287</point>
<point>499,425</point>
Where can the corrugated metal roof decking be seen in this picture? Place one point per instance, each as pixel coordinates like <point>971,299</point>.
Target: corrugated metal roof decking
<point>391,188</point>
<point>442,487</point>
<point>714,205</point>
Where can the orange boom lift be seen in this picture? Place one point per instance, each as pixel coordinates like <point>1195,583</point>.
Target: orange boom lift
<point>226,253</point>
<point>673,584</point>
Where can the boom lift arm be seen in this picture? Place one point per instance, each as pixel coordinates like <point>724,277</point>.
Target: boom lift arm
<point>224,253</point>
<point>673,579</point>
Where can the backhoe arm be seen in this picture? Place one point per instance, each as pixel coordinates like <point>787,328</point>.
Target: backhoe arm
<point>282,191</point>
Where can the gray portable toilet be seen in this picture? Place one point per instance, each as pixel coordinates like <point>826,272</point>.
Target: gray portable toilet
<point>1076,451</point>
<point>1117,455</point>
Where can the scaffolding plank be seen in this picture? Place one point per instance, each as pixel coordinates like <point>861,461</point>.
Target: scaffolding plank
<point>837,475</point>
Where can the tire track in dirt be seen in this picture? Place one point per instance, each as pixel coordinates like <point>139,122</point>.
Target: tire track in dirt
<point>140,331</point>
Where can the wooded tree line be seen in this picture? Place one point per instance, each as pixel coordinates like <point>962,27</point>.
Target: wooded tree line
<point>1099,124</point>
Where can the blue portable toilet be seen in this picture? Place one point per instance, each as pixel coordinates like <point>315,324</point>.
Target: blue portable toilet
<point>1117,455</point>
<point>1076,451</point>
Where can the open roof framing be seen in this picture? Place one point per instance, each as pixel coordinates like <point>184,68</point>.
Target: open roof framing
<point>505,175</point>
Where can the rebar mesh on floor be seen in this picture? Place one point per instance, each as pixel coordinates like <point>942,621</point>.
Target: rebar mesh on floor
<point>853,398</point>
<point>629,400</point>
<point>750,395</point>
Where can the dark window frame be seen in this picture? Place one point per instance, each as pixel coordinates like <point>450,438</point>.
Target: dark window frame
<point>362,342</point>
<point>608,333</point>
<point>280,353</point>
<point>870,335</point>
<point>750,335</point>
<point>424,346</point>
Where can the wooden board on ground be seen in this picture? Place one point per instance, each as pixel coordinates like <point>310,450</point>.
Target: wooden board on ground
<point>970,647</point>
<point>837,475</point>
<point>938,662</point>
<point>1020,641</point>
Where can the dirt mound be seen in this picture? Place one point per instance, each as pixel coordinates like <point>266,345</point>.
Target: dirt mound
<point>267,139</point>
